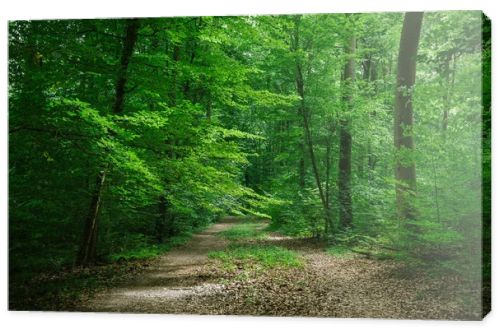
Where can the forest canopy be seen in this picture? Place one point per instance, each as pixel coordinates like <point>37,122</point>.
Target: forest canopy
<point>369,131</point>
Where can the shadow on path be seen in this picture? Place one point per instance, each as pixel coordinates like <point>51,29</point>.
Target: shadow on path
<point>176,275</point>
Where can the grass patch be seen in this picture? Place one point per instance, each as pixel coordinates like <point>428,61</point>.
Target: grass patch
<point>151,250</point>
<point>298,229</point>
<point>340,251</point>
<point>244,231</point>
<point>250,255</point>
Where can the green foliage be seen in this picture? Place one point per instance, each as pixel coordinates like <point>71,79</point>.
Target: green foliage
<point>244,231</point>
<point>167,142</point>
<point>213,124</point>
<point>339,251</point>
<point>300,217</point>
<point>145,250</point>
<point>297,228</point>
<point>426,240</point>
<point>257,255</point>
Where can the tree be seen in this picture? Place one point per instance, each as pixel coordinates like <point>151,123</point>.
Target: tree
<point>345,146</point>
<point>305,114</point>
<point>403,117</point>
<point>152,133</point>
<point>86,252</point>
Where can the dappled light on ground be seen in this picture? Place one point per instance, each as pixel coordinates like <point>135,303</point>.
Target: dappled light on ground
<point>186,280</point>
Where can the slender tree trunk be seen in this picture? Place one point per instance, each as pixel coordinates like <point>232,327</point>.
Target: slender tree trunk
<point>86,252</point>
<point>208,113</point>
<point>310,146</point>
<point>370,77</point>
<point>403,117</point>
<point>161,219</point>
<point>302,167</point>
<point>172,93</point>
<point>449,82</point>
<point>328,158</point>
<point>299,80</point>
<point>436,199</point>
<point>345,152</point>
<point>300,89</point>
<point>192,54</point>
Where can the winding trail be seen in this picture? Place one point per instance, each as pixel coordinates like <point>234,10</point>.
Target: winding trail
<point>176,275</point>
<point>186,281</point>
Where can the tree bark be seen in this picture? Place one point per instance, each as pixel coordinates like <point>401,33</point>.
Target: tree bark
<point>405,173</point>
<point>370,77</point>
<point>86,253</point>
<point>345,151</point>
<point>128,48</point>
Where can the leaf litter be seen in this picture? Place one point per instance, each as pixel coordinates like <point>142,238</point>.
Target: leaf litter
<point>186,281</point>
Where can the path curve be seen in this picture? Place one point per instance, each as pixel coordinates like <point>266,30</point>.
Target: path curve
<point>186,281</point>
<point>175,276</point>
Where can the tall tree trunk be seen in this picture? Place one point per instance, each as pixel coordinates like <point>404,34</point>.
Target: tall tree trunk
<point>86,252</point>
<point>403,117</point>
<point>370,77</point>
<point>128,48</point>
<point>345,151</point>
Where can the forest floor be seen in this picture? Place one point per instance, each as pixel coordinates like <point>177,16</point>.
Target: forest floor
<point>201,277</point>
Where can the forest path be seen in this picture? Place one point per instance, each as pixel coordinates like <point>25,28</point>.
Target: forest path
<point>177,274</point>
<point>187,281</point>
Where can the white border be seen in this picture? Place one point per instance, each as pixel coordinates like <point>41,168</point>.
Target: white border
<point>49,322</point>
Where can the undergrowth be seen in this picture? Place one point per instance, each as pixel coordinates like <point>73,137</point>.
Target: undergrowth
<point>244,231</point>
<point>238,255</point>
<point>151,250</point>
<point>340,251</point>
<point>63,288</point>
<point>299,229</point>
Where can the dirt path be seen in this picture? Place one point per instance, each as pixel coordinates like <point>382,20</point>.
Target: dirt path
<point>176,275</point>
<point>186,281</point>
